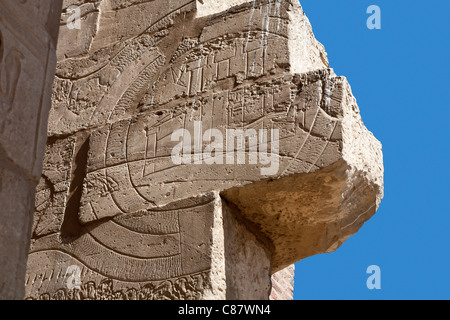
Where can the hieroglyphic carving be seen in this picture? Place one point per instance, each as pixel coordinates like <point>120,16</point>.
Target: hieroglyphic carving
<point>184,288</point>
<point>137,151</point>
<point>119,96</point>
<point>109,85</point>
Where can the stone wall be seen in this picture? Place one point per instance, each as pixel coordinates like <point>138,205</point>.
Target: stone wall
<point>195,151</point>
<point>28,35</point>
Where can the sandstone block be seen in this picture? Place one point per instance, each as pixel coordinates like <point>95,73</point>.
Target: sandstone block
<point>188,144</point>
<point>28,35</point>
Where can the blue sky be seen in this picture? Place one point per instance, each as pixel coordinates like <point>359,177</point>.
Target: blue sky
<point>400,77</point>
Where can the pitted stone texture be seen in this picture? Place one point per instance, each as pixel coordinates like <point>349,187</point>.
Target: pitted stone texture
<point>28,33</point>
<point>329,189</point>
<point>247,259</point>
<point>122,89</point>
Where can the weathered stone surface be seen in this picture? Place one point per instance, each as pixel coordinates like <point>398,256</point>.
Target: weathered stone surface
<point>28,33</point>
<point>175,252</point>
<point>283,284</point>
<point>154,254</point>
<point>121,211</point>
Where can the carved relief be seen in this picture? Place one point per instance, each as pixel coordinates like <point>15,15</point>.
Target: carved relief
<point>184,288</point>
<point>141,147</point>
<point>149,245</point>
<point>144,224</point>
